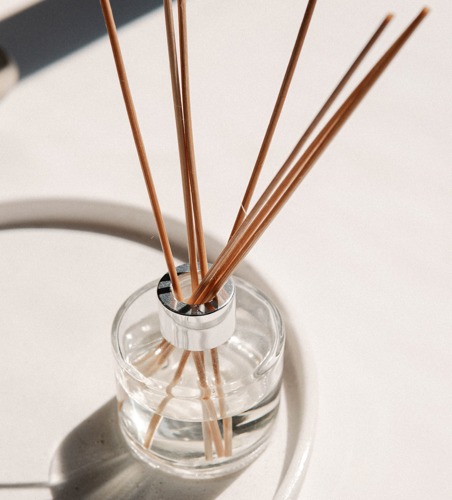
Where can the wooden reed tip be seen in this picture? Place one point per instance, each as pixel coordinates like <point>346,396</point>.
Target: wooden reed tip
<point>389,17</point>
<point>425,11</point>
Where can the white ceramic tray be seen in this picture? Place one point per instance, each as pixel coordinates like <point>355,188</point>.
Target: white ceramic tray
<point>69,264</point>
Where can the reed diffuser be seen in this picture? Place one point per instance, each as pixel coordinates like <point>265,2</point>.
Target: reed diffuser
<point>199,353</point>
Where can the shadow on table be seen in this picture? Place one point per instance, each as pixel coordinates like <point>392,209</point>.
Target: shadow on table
<point>50,30</point>
<point>94,462</point>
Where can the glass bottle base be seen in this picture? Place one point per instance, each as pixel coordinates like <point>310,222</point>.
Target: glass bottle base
<point>207,470</point>
<point>178,447</point>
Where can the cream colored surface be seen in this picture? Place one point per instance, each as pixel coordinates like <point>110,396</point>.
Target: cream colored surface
<point>10,7</point>
<point>360,256</point>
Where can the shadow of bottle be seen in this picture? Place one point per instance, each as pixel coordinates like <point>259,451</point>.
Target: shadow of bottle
<point>94,462</point>
<point>50,30</point>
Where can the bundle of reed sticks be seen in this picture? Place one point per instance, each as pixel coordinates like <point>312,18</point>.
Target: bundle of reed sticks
<point>251,222</point>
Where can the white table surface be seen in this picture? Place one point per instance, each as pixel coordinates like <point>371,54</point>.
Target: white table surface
<point>361,257</point>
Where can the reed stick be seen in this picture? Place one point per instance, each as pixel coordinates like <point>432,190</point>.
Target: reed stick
<point>202,256</point>
<point>180,129</point>
<point>139,145</point>
<point>150,354</point>
<point>256,223</point>
<point>210,428</point>
<point>189,145</point>
<point>207,434</point>
<point>275,114</point>
<point>156,418</point>
<point>191,198</point>
<point>227,421</point>
<point>154,359</point>
<point>206,398</point>
<point>158,361</point>
<point>323,110</point>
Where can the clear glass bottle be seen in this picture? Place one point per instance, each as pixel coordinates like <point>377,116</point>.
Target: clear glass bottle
<point>198,387</point>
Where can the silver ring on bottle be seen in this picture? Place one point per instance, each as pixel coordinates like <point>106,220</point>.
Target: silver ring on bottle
<point>195,327</point>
